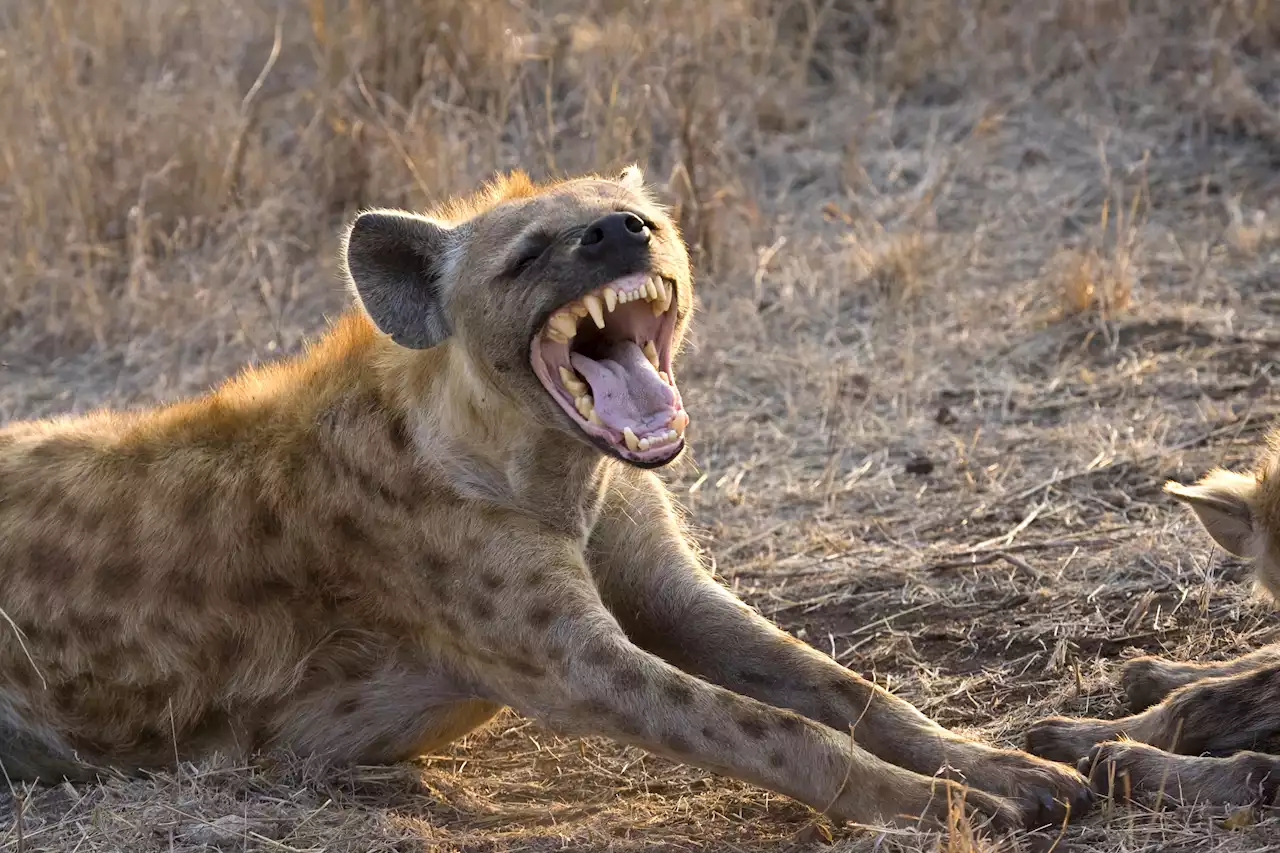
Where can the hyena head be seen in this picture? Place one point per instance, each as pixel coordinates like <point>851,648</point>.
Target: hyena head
<point>1241,511</point>
<point>571,300</point>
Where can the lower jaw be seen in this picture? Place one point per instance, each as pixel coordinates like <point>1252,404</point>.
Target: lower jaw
<point>654,457</point>
<point>666,455</point>
<point>613,442</point>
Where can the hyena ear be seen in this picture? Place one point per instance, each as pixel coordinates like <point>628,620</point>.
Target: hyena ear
<point>632,178</point>
<point>1222,500</point>
<point>398,264</point>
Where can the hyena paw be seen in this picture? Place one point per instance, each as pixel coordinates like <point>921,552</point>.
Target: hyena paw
<point>988,814</point>
<point>1047,793</point>
<point>1147,680</point>
<point>1066,740</point>
<point>1125,770</point>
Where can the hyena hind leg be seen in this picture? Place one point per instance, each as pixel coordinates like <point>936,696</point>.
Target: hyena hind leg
<point>24,757</point>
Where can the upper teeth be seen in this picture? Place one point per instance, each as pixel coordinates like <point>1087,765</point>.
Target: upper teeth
<point>595,309</point>
<point>563,325</point>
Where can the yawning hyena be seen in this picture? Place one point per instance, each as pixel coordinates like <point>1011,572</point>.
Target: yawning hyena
<point>442,508</point>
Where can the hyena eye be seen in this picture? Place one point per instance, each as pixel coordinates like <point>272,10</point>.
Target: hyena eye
<point>527,257</point>
<point>524,262</point>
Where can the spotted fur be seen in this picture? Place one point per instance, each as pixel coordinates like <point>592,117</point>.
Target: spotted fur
<point>364,551</point>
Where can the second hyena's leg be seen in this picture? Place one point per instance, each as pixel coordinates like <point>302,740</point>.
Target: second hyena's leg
<point>668,604</point>
<point>1211,715</point>
<point>1126,769</point>
<point>1147,680</point>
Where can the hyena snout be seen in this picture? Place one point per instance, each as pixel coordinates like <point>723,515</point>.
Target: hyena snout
<point>612,233</point>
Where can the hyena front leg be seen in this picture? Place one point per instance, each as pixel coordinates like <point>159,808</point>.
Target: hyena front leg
<point>654,583</point>
<point>1220,715</point>
<point>550,649</point>
<point>1130,770</point>
<point>1147,680</point>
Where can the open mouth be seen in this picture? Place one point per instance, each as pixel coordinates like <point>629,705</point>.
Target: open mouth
<point>606,359</point>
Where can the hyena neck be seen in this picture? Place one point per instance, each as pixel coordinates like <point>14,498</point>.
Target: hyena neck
<point>482,446</point>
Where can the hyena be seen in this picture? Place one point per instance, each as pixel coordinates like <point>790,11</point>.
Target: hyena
<point>445,506</point>
<point>1196,728</point>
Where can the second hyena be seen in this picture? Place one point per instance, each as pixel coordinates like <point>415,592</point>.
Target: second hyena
<point>1196,728</point>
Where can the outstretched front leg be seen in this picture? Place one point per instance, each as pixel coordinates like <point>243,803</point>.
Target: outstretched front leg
<point>668,603</point>
<point>1219,715</point>
<point>548,647</point>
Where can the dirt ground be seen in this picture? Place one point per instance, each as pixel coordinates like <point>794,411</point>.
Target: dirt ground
<point>975,279</point>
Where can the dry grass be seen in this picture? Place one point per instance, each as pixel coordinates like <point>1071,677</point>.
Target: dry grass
<point>976,277</point>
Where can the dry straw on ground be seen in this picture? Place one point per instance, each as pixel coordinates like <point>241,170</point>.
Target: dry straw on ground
<point>976,277</point>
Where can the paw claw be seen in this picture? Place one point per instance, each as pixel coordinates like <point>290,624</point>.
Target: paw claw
<point>1084,798</point>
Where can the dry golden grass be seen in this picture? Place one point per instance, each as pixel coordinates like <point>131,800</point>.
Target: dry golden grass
<point>976,277</point>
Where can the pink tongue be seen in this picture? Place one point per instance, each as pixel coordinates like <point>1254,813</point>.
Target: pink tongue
<point>628,392</point>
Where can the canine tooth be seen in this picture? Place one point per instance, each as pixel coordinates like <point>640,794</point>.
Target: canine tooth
<point>595,309</point>
<point>633,443</point>
<point>573,384</point>
<point>663,302</point>
<point>651,353</point>
<point>610,298</point>
<point>564,324</point>
<point>680,422</point>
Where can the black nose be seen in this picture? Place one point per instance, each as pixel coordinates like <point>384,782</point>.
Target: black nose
<point>613,232</point>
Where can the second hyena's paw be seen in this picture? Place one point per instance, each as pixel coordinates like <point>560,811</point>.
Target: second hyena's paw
<point>1146,681</point>
<point>1127,770</point>
<point>1065,739</point>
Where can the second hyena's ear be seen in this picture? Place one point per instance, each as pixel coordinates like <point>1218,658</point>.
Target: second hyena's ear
<point>398,264</point>
<point>1223,501</point>
<point>632,178</point>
